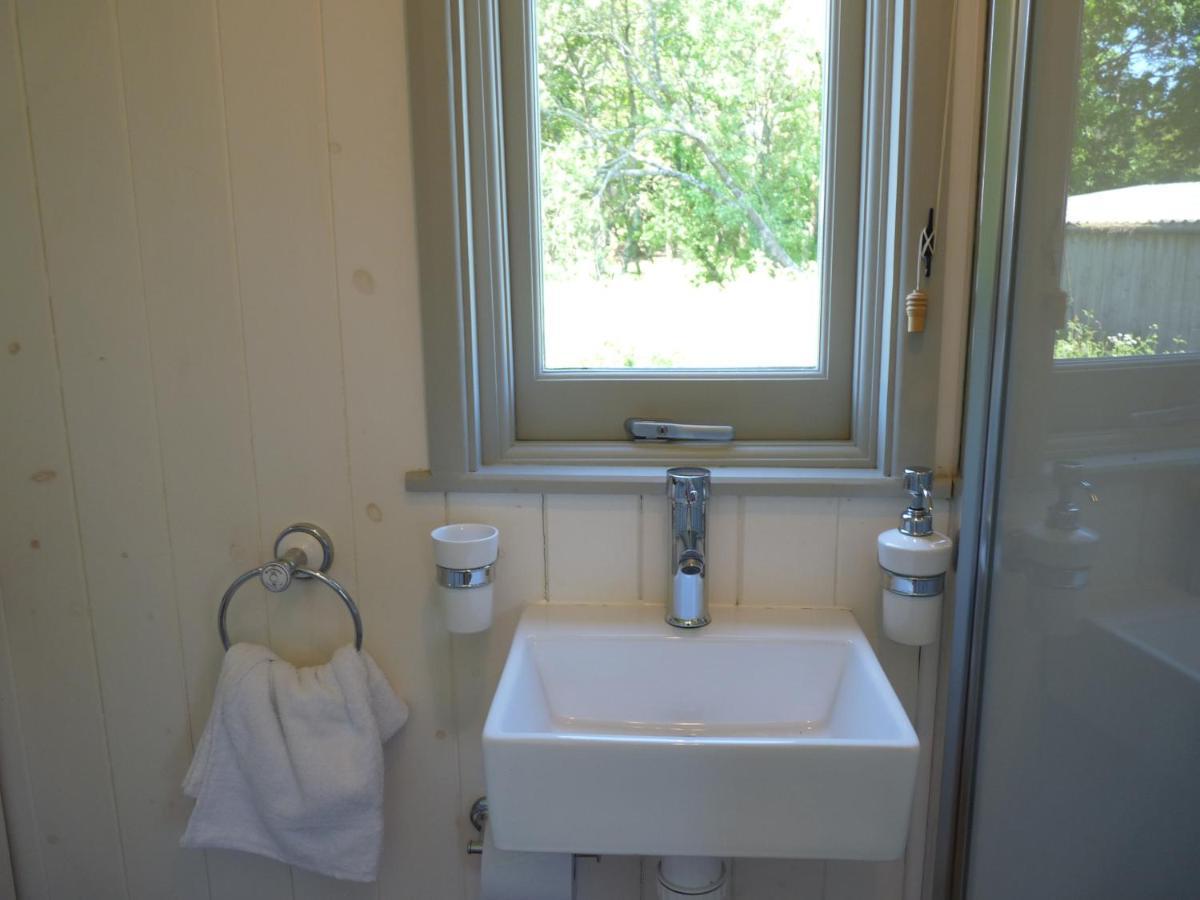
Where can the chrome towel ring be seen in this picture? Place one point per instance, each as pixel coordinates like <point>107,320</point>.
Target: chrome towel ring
<point>292,562</point>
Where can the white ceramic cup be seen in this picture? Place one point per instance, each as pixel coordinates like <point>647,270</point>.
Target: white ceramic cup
<point>467,610</point>
<point>467,546</point>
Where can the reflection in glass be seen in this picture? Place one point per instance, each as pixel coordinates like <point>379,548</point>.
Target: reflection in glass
<point>1131,258</point>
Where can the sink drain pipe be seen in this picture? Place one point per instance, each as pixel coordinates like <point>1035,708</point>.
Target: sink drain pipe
<point>692,877</point>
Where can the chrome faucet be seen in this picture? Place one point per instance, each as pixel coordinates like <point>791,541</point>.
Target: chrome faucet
<point>688,490</point>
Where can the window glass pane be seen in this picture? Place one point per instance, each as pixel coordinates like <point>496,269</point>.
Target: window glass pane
<point>680,167</point>
<point>1131,261</point>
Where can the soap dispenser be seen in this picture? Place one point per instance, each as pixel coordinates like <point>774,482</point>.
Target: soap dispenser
<point>914,559</point>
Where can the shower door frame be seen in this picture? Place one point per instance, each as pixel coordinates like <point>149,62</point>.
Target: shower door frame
<point>1000,167</point>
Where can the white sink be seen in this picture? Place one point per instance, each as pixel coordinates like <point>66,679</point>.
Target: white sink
<point>770,732</point>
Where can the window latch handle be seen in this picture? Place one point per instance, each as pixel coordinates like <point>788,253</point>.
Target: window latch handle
<point>653,430</point>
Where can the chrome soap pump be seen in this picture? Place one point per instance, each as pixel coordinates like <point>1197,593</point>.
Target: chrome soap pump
<point>914,559</point>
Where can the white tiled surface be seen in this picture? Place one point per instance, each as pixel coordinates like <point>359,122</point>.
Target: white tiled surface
<point>592,548</point>
<point>655,549</point>
<point>724,549</point>
<point>789,550</point>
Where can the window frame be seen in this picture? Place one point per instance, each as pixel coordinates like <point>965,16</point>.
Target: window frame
<point>465,278</point>
<point>809,405</point>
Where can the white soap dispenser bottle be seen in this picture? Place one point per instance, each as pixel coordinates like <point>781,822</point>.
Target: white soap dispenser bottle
<point>914,559</point>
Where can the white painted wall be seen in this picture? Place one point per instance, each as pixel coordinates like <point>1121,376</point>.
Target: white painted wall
<point>210,330</point>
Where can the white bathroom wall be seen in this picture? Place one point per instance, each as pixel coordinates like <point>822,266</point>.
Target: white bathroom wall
<point>210,330</point>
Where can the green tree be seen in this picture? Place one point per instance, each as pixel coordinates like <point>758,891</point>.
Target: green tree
<point>1139,101</point>
<point>681,127</point>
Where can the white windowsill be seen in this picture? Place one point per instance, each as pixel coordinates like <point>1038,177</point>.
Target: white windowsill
<point>727,480</point>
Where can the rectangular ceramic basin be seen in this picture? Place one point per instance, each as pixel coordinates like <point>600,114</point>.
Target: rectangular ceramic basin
<point>770,732</point>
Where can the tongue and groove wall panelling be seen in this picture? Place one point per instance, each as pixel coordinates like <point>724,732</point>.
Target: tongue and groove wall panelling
<point>367,159</point>
<point>170,57</point>
<point>75,91</point>
<point>278,142</point>
<point>58,795</point>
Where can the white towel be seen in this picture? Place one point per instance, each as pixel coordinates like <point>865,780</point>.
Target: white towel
<point>290,764</point>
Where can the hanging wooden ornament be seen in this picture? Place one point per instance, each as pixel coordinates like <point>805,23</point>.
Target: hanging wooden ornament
<point>915,305</point>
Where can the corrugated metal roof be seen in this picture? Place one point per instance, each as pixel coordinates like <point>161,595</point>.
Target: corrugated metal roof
<point>1143,204</point>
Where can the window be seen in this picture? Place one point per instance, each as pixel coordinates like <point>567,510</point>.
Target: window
<point>675,259</point>
<point>662,209</point>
